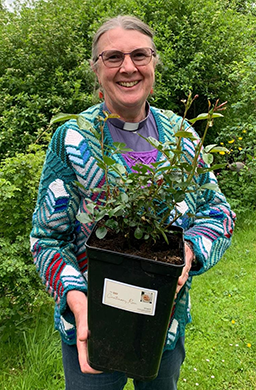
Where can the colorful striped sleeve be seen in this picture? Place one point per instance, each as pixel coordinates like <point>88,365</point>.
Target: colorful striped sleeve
<point>57,238</point>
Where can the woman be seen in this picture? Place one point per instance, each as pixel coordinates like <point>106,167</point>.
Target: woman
<point>124,59</point>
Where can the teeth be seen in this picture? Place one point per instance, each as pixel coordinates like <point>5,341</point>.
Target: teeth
<point>128,84</point>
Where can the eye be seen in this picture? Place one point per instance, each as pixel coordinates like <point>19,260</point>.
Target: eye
<point>113,56</point>
<point>140,54</point>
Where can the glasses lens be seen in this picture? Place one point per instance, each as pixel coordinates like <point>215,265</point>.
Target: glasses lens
<point>112,58</point>
<point>141,56</point>
<point>115,58</point>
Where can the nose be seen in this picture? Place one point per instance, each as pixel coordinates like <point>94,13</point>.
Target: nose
<point>128,65</point>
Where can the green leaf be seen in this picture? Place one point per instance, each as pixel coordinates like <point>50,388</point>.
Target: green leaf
<point>165,237</point>
<point>109,161</point>
<point>152,141</point>
<point>219,149</point>
<point>120,169</point>
<point>208,148</point>
<point>124,197</point>
<point>90,207</point>
<point>175,176</point>
<point>80,185</point>
<point>204,116</point>
<point>100,164</point>
<point>63,117</point>
<point>210,186</point>
<point>112,224</point>
<point>96,134</point>
<point>121,147</point>
<point>215,148</point>
<point>101,232</point>
<point>101,214</point>
<point>118,211</point>
<point>177,151</point>
<point>84,123</point>
<point>138,234</point>
<point>212,168</point>
<point>179,196</point>
<point>207,157</point>
<point>185,134</point>
<point>186,166</point>
<point>142,168</point>
<point>84,218</point>
<point>113,116</point>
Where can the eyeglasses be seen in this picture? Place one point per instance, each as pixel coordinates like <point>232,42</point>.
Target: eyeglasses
<point>115,58</point>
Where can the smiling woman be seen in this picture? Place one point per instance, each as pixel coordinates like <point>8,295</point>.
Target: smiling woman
<point>124,58</point>
<point>128,83</point>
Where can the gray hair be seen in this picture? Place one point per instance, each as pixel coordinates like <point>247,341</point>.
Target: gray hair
<point>127,23</point>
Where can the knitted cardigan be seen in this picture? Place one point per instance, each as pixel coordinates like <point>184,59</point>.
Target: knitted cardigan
<point>58,239</point>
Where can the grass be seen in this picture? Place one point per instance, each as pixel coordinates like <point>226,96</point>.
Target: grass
<point>220,342</point>
<point>32,359</point>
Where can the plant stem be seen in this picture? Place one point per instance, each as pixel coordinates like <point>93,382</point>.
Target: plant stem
<point>198,150</point>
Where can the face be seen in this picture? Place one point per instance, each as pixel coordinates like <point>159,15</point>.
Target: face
<point>125,88</point>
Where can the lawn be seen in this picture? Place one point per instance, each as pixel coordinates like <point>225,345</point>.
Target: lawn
<point>220,342</point>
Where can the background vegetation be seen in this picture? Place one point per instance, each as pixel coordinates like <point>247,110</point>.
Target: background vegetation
<point>207,46</point>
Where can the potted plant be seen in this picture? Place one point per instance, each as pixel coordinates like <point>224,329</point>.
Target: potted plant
<point>135,252</point>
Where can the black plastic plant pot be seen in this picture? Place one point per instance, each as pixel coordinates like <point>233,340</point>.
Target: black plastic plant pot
<point>130,301</point>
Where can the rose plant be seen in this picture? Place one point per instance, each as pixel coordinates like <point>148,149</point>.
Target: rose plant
<point>138,203</point>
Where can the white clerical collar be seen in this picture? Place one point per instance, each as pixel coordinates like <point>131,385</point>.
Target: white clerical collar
<point>128,126</point>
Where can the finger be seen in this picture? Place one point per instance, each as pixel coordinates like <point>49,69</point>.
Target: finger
<point>83,358</point>
<point>183,278</point>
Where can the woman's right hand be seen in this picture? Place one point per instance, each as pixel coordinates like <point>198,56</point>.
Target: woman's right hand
<point>77,302</point>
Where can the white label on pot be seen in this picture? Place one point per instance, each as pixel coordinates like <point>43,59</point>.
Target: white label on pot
<point>128,297</point>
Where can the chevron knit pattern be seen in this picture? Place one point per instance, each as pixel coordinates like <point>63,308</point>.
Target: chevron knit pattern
<point>57,238</point>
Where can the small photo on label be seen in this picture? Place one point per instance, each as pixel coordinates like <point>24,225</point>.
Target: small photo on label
<point>146,297</point>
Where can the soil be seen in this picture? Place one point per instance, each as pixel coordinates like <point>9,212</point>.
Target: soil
<point>160,251</point>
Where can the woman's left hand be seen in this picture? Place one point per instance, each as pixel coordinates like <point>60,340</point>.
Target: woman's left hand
<point>189,256</point>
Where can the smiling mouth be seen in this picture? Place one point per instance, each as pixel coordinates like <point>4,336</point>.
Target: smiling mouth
<point>128,84</point>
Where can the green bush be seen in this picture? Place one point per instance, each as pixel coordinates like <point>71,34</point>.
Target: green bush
<point>240,139</point>
<point>20,286</point>
<point>19,179</point>
<point>44,52</point>
<point>240,187</point>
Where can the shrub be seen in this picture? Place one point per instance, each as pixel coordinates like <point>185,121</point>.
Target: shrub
<point>20,285</point>
<point>240,187</point>
<point>240,139</point>
<point>44,52</point>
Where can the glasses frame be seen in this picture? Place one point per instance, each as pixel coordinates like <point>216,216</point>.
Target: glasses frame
<point>153,54</point>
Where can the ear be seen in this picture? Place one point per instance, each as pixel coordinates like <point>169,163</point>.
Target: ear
<point>94,68</point>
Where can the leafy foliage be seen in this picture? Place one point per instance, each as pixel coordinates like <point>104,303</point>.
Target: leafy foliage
<point>240,187</point>
<point>139,203</point>
<point>44,52</point>
<point>19,283</point>
<point>19,178</point>
<point>240,138</point>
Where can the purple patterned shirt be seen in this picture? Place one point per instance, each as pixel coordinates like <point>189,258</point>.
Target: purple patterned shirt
<point>142,151</point>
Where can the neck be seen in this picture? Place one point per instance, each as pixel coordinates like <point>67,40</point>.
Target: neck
<point>131,114</point>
